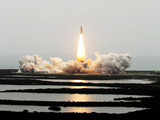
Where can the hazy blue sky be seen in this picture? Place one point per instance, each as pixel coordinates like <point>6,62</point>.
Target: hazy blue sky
<point>51,27</point>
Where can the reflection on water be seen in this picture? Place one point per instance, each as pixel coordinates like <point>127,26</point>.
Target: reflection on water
<point>80,87</point>
<point>63,97</point>
<point>83,81</point>
<point>95,87</point>
<point>131,81</point>
<point>70,109</point>
<point>69,97</point>
<point>125,81</point>
<point>23,107</point>
<point>101,109</point>
<point>17,87</point>
<point>79,109</point>
<point>83,98</point>
<point>78,81</point>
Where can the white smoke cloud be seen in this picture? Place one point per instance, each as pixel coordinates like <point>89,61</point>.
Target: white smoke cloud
<point>110,63</point>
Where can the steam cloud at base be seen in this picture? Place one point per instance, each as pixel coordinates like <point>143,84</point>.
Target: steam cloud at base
<point>110,63</point>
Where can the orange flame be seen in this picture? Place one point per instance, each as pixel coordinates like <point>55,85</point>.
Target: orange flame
<point>81,54</point>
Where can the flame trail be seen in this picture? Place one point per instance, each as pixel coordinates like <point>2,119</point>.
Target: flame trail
<point>81,53</point>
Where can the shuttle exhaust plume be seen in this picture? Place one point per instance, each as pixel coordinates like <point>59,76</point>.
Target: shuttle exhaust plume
<point>110,63</point>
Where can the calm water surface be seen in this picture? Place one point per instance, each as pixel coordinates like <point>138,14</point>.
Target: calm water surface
<point>125,81</point>
<point>17,87</point>
<point>70,109</point>
<point>63,97</point>
<point>68,97</point>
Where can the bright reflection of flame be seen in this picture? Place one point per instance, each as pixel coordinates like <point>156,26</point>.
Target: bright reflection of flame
<point>81,55</point>
<point>80,97</point>
<point>77,87</point>
<point>78,81</point>
<point>79,109</point>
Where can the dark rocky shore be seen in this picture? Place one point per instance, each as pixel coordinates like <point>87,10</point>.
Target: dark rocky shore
<point>25,115</point>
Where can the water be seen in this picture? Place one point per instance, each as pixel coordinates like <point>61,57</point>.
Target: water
<point>63,97</point>
<point>119,110</point>
<point>69,97</point>
<point>101,109</point>
<point>17,87</point>
<point>19,108</point>
<point>125,81</point>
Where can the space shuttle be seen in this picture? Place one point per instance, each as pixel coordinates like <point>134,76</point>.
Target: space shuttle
<point>81,30</point>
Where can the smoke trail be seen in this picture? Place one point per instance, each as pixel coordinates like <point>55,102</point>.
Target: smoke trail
<point>110,63</point>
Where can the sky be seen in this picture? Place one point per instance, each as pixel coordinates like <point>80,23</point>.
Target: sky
<point>51,28</point>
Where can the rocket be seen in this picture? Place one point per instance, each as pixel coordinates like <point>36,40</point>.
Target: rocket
<point>81,30</point>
